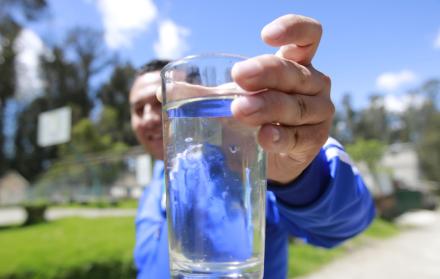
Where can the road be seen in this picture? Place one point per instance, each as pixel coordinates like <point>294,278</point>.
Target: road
<point>16,215</point>
<point>415,253</point>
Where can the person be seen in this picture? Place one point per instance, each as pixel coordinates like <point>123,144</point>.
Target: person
<point>314,191</point>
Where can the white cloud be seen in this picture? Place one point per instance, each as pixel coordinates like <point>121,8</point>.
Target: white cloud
<point>399,104</point>
<point>124,20</point>
<point>29,48</point>
<point>172,40</point>
<point>391,81</point>
<point>437,41</point>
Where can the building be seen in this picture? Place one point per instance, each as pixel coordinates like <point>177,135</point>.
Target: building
<point>402,160</point>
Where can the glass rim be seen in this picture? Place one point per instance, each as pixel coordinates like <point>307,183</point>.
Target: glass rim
<point>185,59</point>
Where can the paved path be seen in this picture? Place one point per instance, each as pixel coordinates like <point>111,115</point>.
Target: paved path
<point>414,254</point>
<point>17,215</point>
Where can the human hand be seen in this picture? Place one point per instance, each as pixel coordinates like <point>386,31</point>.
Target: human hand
<point>293,105</point>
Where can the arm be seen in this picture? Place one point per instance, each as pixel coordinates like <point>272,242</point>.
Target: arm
<point>150,223</point>
<point>319,197</point>
<point>328,203</point>
<point>287,97</point>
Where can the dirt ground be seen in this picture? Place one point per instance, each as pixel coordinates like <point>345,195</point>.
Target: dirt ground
<point>415,253</point>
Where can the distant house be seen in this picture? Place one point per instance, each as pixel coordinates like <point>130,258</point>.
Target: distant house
<point>13,188</point>
<point>396,183</point>
<point>125,186</point>
<point>398,163</point>
<point>131,184</point>
<point>402,160</point>
<point>379,184</point>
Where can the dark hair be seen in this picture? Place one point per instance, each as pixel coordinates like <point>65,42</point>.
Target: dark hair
<point>153,65</point>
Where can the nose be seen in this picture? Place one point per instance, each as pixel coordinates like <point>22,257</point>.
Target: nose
<point>151,116</point>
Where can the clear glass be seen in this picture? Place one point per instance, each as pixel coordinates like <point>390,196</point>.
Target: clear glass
<point>215,173</point>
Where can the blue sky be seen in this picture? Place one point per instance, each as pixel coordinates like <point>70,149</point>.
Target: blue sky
<point>368,46</point>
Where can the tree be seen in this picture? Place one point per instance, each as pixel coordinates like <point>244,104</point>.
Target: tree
<point>114,96</point>
<point>21,11</point>
<point>13,15</point>
<point>345,121</point>
<point>89,57</point>
<point>369,151</point>
<point>30,159</point>
<point>89,159</point>
<point>68,72</point>
<point>429,144</point>
<point>9,31</point>
<point>68,80</point>
<point>373,122</point>
<point>429,150</point>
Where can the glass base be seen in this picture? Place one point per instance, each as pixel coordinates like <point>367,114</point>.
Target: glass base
<point>184,269</point>
<point>192,275</point>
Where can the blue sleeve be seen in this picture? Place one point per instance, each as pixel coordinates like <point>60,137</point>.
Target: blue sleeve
<point>150,229</point>
<point>308,187</point>
<point>328,203</point>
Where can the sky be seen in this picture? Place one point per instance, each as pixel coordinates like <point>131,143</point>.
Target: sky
<point>380,46</point>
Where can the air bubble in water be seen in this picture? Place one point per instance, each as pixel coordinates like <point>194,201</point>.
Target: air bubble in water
<point>224,194</point>
<point>233,148</point>
<point>188,139</point>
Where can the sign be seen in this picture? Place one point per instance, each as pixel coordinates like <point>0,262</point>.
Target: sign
<point>54,126</point>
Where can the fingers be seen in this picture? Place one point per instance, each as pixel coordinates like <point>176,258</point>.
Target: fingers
<point>269,71</point>
<point>159,94</point>
<point>181,90</point>
<point>298,36</point>
<point>278,107</point>
<point>291,149</point>
<point>294,140</point>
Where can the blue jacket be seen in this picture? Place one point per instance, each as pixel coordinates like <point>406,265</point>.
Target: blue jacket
<point>327,204</point>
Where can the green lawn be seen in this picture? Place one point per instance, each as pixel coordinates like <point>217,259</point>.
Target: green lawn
<point>102,248</point>
<point>68,248</point>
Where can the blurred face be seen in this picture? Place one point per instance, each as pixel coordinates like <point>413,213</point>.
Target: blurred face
<point>146,113</point>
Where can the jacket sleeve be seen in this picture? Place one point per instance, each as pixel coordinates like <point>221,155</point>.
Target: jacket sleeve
<point>328,203</point>
<point>150,221</point>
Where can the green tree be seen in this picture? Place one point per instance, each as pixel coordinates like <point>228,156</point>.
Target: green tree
<point>429,129</point>
<point>30,159</point>
<point>344,121</point>
<point>68,80</point>
<point>68,73</point>
<point>89,59</point>
<point>373,121</point>
<point>429,150</point>
<point>369,151</point>
<point>9,31</point>
<point>114,96</point>
<point>21,11</point>
<point>89,159</point>
<point>13,15</point>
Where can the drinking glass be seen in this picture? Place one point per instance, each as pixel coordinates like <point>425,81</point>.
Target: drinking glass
<point>215,173</point>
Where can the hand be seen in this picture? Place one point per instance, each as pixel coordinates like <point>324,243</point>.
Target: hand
<point>293,105</point>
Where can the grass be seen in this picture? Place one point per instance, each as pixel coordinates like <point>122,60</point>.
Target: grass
<point>66,248</point>
<point>304,259</point>
<point>128,203</point>
<point>102,248</point>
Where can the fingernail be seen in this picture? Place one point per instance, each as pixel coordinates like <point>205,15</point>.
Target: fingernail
<point>275,135</point>
<point>248,104</point>
<point>248,68</point>
<point>274,31</point>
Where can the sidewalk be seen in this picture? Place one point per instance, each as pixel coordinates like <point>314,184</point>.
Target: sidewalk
<point>414,253</point>
<point>17,215</point>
